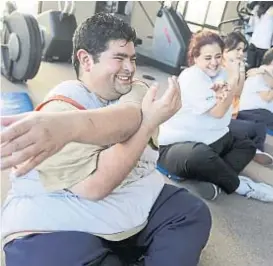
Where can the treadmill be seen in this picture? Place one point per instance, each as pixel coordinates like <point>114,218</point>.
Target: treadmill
<point>167,50</point>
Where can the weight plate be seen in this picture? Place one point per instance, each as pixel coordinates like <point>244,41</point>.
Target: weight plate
<point>35,41</point>
<point>26,28</point>
<point>5,62</point>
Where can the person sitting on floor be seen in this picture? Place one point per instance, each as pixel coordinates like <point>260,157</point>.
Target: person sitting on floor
<point>196,142</point>
<point>262,37</point>
<point>235,46</point>
<point>92,204</point>
<point>256,102</point>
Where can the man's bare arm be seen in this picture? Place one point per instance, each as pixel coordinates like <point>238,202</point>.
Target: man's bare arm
<point>116,162</point>
<point>114,165</point>
<point>108,125</point>
<point>38,135</point>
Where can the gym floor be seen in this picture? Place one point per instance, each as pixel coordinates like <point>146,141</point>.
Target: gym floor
<point>242,232</point>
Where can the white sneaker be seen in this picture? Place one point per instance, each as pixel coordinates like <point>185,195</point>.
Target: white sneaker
<point>258,191</point>
<point>263,158</point>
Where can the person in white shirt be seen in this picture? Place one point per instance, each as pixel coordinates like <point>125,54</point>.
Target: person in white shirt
<point>256,102</point>
<point>262,36</point>
<point>196,142</point>
<point>235,46</point>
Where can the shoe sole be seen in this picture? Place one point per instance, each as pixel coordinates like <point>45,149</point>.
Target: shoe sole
<point>207,191</point>
<point>263,159</point>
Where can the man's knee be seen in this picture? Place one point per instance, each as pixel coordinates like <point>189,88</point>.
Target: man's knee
<point>196,209</point>
<point>203,217</point>
<point>199,216</point>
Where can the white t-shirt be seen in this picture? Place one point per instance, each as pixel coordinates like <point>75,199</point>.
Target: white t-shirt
<point>193,122</point>
<point>250,98</point>
<point>263,30</point>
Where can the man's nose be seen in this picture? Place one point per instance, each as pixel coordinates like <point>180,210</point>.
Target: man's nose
<point>129,65</point>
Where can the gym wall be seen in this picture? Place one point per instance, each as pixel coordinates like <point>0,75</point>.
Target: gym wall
<point>139,21</point>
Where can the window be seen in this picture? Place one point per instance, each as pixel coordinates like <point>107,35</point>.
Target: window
<point>196,11</point>
<point>201,14</point>
<point>215,13</point>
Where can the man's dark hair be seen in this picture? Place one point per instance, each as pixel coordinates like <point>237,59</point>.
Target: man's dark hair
<point>233,39</point>
<point>268,57</point>
<point>95,33</point>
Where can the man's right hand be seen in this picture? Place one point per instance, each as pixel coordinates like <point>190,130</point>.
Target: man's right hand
<point>157,111</point>
<point>32,136</point>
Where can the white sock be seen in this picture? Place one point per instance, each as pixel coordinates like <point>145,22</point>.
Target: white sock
<point>243,188</point>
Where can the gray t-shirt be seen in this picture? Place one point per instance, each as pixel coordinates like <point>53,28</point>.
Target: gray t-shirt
<point>39,201</point>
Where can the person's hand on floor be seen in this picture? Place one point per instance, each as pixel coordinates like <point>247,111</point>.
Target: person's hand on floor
<point>31,138</point>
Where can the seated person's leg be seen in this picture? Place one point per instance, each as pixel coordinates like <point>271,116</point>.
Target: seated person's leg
<point>200,162</point>
<point>178,229</point>
<point>60,249</point>
<point>238,153</point>
<point>256,132</point>
<point>238,128</point>
<point>258,116</point>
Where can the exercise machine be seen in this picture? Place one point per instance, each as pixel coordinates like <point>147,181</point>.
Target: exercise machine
<point>167,49</point>
<point>57,29</point>
<point>25,40</point>
<point>21,46</point>
<point>242,22</point>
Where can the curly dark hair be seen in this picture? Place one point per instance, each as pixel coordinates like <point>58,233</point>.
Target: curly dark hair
<point>200,39</point>
<point>94,34</point>
<point>233,39</point>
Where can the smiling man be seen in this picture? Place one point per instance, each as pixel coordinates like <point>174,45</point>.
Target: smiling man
<point>105,205</point>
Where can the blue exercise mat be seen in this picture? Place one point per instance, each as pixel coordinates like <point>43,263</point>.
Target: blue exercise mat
<point>15,103</point>
<point>269,132</point>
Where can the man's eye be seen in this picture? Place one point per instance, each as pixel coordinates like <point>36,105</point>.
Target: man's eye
<point>118,58</point>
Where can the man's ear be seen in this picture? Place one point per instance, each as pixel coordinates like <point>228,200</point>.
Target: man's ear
<point>85,60</point>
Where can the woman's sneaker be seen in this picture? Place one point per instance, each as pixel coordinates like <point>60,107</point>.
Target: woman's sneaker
<point>208,190</point>
<point>258,191</point>
<point>263,158</point>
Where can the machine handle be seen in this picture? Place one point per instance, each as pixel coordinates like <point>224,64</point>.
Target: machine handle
<point>66,11</point>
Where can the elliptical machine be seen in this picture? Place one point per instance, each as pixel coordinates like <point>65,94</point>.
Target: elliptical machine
<point>57,29</point>
<point>168,47</point>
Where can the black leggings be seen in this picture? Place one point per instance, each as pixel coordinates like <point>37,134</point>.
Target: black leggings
<point>219,163</point>
<point>249,129</point>
<point>257,116</point>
